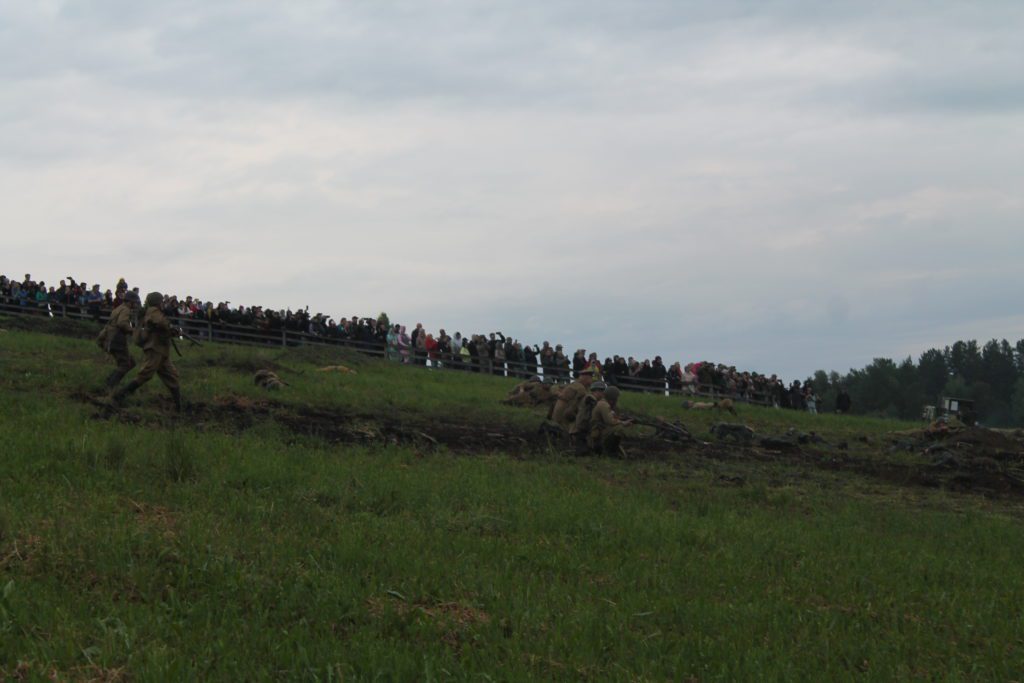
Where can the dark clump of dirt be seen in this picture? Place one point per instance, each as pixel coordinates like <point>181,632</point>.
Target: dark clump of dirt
<point>245,366</point>
<point>460,437</point>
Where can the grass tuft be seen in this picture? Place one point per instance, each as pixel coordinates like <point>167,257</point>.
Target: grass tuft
<point>179,459</point>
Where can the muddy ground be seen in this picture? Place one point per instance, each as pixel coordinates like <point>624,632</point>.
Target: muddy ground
<point>967,459</point>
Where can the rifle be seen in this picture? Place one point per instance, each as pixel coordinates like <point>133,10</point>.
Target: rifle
<point>188,337</point>
<point>184,335</point>
<point>672,431</point>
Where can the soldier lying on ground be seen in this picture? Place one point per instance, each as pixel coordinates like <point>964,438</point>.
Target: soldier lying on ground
<point>533,392</point>
<point>736,432</point>
<point>269,380</point>
<point>726,404</point>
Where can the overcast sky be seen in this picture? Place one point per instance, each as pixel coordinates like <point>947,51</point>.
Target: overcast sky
<point>783,186</point>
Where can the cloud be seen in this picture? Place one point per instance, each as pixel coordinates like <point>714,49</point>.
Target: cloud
<point>785,185</point>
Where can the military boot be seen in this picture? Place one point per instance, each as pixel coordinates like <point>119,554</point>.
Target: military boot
<point>176,395</point>
<point>117,398</point>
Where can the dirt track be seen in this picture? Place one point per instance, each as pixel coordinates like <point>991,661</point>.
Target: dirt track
<point>969,460</point>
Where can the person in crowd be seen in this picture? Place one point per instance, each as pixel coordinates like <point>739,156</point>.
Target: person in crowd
<point>392,343</point>
<point>810,399</point>
<point>404,344</point>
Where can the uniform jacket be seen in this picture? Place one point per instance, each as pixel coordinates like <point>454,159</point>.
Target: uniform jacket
<point>118,328</point>
<point>568,402</point>
<point>602,421</point>
<point>158,331</point>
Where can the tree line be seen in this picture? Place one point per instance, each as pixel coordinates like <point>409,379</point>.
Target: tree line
<point>991,374</point>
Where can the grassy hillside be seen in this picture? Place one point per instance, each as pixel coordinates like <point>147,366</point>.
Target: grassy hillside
<point>401,524</point>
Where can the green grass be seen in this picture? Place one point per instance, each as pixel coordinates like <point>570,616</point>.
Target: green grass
<point>185,552</point>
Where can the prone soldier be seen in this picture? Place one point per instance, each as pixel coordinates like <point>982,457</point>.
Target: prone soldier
<point>533,392</point>
<point>155,337</point>
<point>114,337</point>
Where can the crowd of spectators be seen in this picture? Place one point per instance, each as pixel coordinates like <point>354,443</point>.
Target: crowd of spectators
<point>493,353</point>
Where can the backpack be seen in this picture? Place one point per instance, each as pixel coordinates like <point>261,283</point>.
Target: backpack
<point>584,413</point>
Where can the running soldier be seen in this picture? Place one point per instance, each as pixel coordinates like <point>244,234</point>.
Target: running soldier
<point>155,337</point>
<point>115,335</point>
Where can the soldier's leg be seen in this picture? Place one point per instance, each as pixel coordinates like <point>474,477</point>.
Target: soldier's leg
<point>612,443</point>
<point>169,376</point>
<point>150,364</point>
<point>124,361</point>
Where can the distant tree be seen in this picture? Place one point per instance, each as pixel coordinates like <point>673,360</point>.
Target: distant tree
<point>998,370</point>
<point>957,387</point>
<point>877,388</point>
<point>1017,406</point>
<point>964,359</point>
<point>934,373</point>
<point>910,395</point>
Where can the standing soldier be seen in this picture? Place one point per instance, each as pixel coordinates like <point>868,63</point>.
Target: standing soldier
<point>606,430</point>
<point>564,411</point>
<point>114,337</point>
<point>154,336</point>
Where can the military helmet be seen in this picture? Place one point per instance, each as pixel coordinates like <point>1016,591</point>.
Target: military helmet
<point>598,386</point>
<point>132,297</point>
<point>154,299</point>
<point>612,394</point>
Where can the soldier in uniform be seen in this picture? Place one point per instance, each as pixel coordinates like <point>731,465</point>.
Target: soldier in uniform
<point>115,335</point>
<point>607,430</point>
<point>564,411</point>
<point>155,337</point>
<point>524,393</point>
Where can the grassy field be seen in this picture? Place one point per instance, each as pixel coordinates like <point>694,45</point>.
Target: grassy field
<point>152,547</point>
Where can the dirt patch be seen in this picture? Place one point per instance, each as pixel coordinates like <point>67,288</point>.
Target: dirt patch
<point>31,671</point>
<point>967,460</point>
<point>155,517</point>
<point>23,552</point>
<point>454,620</point>
<point>244,366</point>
